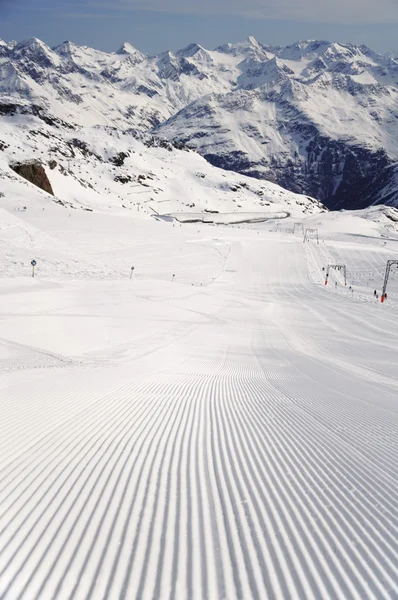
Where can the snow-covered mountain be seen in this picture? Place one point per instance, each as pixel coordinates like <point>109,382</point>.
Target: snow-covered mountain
<point>318,118</point>
<point>101,169</point>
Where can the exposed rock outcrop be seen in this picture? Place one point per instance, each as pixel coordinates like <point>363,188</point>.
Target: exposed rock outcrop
<point>35,173</point>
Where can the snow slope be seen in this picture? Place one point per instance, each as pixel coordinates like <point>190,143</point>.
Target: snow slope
<point>228,432</point>
<point>102,169</point>
<point>318,118</point>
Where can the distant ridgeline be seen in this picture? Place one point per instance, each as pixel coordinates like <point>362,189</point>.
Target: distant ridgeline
<point>318,118</point>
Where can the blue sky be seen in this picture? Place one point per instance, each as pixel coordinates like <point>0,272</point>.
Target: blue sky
<point>156,25</point>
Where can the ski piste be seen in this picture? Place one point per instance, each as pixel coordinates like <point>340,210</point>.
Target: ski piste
<point>221,425</point>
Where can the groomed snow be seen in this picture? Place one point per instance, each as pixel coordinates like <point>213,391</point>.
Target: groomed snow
<point>226,433</point>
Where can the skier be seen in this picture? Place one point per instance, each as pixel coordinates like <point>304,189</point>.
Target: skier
<point>375,294</point>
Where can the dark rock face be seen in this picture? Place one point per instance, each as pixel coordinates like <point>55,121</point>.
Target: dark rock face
<point>9,109</point>
<point>122,178</point>
<point>119,159</point>
<point>35,173</point>
<point>339,175</point>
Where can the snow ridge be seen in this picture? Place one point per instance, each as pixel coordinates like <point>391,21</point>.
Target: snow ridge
<point>318,117</point>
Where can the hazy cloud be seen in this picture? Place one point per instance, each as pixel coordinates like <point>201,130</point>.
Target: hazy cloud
<point>323,11</point>
<point>337,11</point>
<point>153,25</point>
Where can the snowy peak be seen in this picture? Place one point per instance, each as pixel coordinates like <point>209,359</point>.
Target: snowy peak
<point>130,53</point>
<point>66,49</point>
<point>189,62</point>
<point>303,49</point>
<point>127,48</point>
<point>271,112</point>
<point>249,47</point>
<point>37,52</point>
<point>31,44</point>
<point>6,48</point>
<point>190,51</point>
<point>78,58</point>
<point>253,42</point>
<point>196,54</point>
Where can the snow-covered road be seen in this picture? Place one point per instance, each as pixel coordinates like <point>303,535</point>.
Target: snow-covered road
<point>168,441</point>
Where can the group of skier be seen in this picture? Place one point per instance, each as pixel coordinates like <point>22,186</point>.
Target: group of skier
<point>351,289</point>
<point>376,295</point>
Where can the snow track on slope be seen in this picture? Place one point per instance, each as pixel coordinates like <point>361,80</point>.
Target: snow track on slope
<point>254,465</point>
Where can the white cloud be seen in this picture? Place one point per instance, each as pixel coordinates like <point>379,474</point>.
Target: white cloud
<point>337,11</point>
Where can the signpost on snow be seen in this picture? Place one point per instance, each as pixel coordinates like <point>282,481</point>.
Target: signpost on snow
<point>310,230</point>
<point>390,263</point>
<point>342,268</point>
<point>131,272</point>
<point>33,263</point>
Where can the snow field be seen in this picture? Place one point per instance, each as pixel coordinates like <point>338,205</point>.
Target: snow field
<point>146,181</point>
<point>365,262</point>
<point>230,440</point>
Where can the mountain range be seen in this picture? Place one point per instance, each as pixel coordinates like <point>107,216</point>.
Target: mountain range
<point>317,118</point>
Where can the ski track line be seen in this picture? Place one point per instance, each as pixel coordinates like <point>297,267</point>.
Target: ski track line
<point>102,495</point>
<point>315,401</point>
<point>96,445</point>
<point>353,531</point>
<point>344,364</point>
<point>86,425</point>
<point>307,404</point>
<point>331,324</point>
<point>240,472</point>
<point>293,587</point>
<point>361,417</point>
<point>327,356</point>
<point>290,551</point>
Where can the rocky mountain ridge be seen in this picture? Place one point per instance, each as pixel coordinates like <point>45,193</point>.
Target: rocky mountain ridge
<point>318,118</point>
